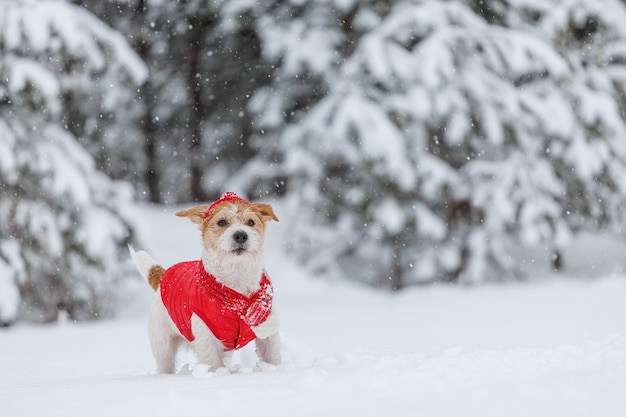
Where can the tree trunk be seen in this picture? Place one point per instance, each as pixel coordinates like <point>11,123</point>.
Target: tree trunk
<point>151,173</point>
<point>148,121</point>
<point>198,29</point>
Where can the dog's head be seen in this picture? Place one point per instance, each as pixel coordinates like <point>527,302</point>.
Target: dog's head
<point>233,229</point>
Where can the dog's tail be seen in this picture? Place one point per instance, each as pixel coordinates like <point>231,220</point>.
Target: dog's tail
<point>147,267</point>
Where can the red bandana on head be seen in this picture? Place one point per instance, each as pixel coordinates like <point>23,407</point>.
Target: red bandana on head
<point>227,196</point>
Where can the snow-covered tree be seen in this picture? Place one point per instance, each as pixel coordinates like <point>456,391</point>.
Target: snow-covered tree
<point>208,60</point>
<point>63,224</point>
<point>306,44</point>
<point>591,160</point>
<point>444,139</point>
<point>205,63</point>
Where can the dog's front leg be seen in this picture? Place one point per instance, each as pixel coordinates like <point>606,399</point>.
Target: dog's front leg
<point>268,340</point>
<point>208,349</point>
<point>268,349</point>
<point>267,328</point>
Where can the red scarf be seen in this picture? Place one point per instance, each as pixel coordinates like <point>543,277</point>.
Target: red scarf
<point>186,289</point>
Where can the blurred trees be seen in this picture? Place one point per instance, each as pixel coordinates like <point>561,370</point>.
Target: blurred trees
<point>414,141</point>
<point>448,139</point>
<point>63,224</point>
<point>194,130</point>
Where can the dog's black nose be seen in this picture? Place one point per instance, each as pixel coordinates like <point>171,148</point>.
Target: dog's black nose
<point>240,237</point>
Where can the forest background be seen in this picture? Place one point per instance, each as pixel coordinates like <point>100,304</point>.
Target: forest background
<point>408,142</point>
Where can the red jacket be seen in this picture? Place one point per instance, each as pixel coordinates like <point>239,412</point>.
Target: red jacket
<point>186,288</point>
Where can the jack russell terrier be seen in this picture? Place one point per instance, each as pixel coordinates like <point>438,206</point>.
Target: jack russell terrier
<point>222,301</point>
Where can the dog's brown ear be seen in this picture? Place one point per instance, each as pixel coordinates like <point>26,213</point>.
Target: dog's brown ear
<point>195,214</point>
<point>265,211</point>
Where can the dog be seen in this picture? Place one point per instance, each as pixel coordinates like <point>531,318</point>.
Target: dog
<point>221,302</point>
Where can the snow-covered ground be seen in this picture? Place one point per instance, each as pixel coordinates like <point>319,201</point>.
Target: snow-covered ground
<point>552,347</point>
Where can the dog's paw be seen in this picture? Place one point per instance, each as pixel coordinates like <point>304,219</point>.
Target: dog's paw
<point>268,328</point>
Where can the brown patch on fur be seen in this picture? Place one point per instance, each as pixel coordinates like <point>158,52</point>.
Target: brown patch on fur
<point>265,210</point>
<point>154,276</point>
<point>195,214</point>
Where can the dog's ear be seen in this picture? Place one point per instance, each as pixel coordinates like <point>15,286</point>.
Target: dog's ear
<point>195,214</point>
<point>265,211</point>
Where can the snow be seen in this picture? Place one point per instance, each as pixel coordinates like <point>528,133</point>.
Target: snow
<point>549,347</point>
<point>7,159</point>
<point>367,124</point>
<point>41,25</point>
<point>25,72</point>
<point>9,294</point>
<point>294,43</point>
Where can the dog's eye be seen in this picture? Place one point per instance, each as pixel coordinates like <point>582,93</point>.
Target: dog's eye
<point>250,222</point>
<point>222,223</point>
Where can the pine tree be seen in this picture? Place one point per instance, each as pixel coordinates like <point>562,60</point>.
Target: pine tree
<point>306,44</point>
<point>63,224</point>
<point>205,63</point>
<point>448,137</point>
<point>591,160</point>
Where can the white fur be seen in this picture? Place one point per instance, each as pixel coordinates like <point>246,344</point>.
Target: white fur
<point>142,260</point>
<point>241,272</point>
<point>164,337</point>
<point>268,328</point>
